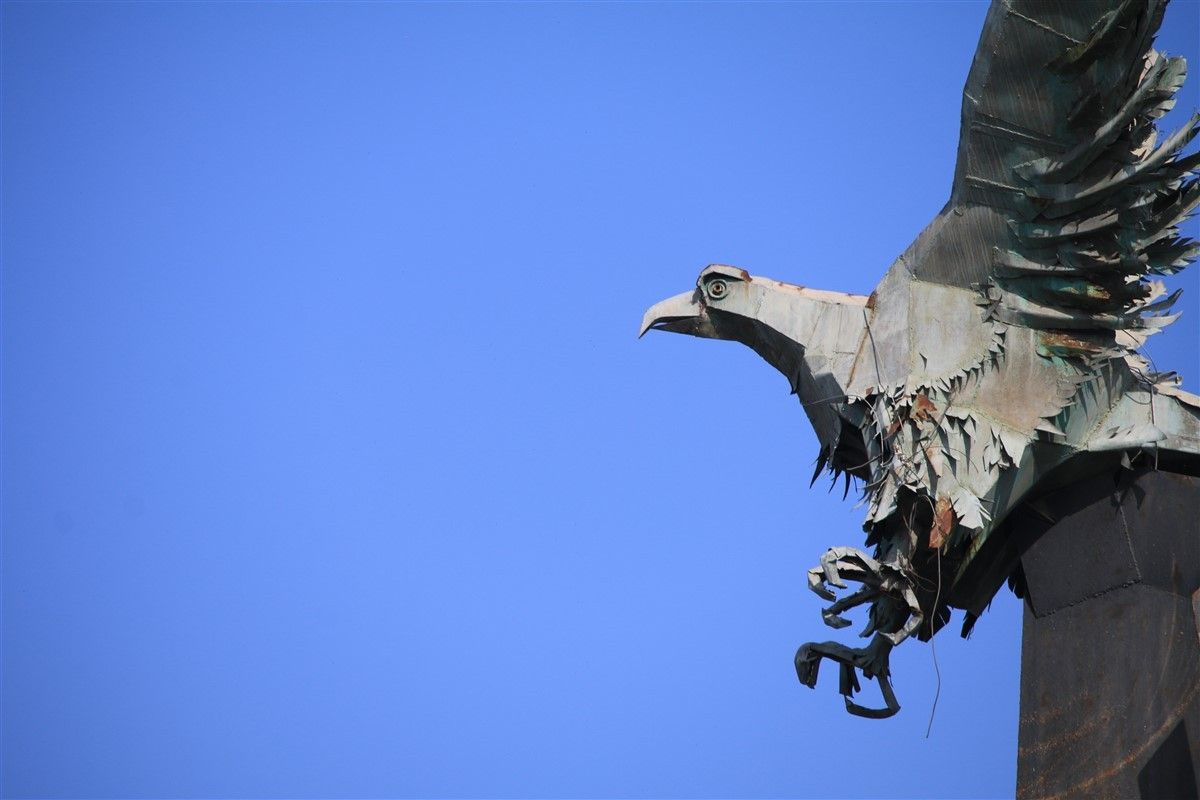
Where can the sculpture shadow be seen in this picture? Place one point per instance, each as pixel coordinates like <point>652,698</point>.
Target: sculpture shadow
<point>1170,772</point>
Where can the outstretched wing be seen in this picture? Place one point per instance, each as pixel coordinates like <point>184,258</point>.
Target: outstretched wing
<point>1065,203</point>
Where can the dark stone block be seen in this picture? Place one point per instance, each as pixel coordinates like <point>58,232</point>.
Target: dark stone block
<point>1110,661</point>
<point>1087,553</point>
<point>1164,527</point>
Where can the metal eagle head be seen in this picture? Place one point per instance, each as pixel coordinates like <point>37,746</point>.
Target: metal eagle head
<point>998,357</point>
<point>811,336</point>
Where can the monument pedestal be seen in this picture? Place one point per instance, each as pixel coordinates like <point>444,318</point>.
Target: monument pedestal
<point>1110,659</point>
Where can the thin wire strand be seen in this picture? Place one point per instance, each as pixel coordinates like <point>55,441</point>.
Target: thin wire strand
<point>933,648</point>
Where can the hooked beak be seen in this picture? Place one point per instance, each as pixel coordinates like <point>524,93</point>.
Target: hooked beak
<point>682,313</point>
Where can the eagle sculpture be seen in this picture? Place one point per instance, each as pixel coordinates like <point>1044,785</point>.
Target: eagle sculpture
<point>999,356</point>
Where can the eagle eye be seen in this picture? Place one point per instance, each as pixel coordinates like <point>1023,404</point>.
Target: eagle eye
<point>716,289</point>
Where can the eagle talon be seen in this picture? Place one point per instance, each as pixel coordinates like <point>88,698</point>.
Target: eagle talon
<point>816,582</point>
<point>833,620</point>
<point>832,614</point>
<point>895,612</point>
<point>872,660</point>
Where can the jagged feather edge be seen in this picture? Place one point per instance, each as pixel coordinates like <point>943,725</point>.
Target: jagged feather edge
<point>1111,205</point>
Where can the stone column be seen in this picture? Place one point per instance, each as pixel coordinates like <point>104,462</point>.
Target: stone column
<point>1110,660</point>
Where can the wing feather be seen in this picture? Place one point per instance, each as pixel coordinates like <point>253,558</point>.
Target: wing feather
<point>1066,204</point>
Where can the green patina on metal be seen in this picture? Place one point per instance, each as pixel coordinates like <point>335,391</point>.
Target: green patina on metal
<point>998,357</point>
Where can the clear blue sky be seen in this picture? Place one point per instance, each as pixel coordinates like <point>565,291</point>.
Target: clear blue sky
<point>331,463</point>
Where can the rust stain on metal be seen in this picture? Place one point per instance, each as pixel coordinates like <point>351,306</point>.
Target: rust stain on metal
<point>1155,737</point>
<point>1065,341</point>
<point>943,522</point>
<point>923,408</point>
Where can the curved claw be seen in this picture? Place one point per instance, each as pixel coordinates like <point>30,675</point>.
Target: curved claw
<point>895,615</point>
<point>829,565</point>
<point>831,614</point>
<point>838,563</point>
<point>879,580</point>
<point>872,660</point>
<point>834,562</point>
<point>833,620</point>
<point>816,582</point>
<point>911,625</point>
